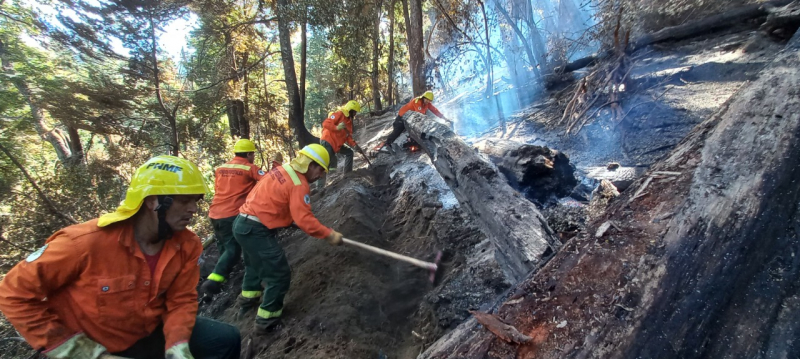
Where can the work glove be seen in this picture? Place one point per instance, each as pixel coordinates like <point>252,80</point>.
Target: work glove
<point>341,126</point>
<point>335,238</point>
<point>179,351</point>
<point>79,346</point>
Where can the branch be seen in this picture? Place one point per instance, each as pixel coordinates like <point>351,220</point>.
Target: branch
<point>238,74</point>
<point>38,189</point>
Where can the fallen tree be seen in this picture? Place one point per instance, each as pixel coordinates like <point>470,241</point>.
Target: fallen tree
<point>702,264</point>
<point>712,23</point>
<point>520,234</point>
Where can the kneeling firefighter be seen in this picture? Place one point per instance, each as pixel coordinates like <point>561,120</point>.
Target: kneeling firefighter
<point>279,199</point>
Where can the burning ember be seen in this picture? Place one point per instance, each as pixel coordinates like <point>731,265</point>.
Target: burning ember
<point>411,145</point>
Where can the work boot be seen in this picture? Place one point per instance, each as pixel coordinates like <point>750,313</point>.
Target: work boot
<point>390,149</point>
<point>246,305</point>
<point>265,325</point>
<point>210,287</point>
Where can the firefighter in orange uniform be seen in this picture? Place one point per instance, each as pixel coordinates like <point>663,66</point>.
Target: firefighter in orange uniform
<point>419,104</point>
<point>123,283</point>
<point>337,130</point>
<point>233,181</point>
<point>281,198</point>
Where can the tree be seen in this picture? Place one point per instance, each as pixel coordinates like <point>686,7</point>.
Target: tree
<point>416,55</point>
<point>296,121</point>
<point>376,92</point>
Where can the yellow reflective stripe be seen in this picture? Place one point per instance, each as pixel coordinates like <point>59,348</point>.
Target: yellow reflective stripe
<point>251,293</point>
<point>216,277</point>
<point>267,314</point>
<point>292,174</point>
<point>238,167</point>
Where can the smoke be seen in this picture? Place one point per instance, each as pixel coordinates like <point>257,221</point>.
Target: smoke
<point>544,34</point>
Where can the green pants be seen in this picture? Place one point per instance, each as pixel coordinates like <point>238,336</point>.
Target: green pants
<point>229,250</point>
<point>264,262</point>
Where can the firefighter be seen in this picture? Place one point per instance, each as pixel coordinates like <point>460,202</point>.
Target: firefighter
<point>419,104</point>
<point>281,198</point>
<point>123,283</point>
<point>337,130</point>
<point>233,181</point>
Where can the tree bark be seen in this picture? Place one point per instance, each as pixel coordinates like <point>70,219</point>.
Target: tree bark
<point>416,55</point>
<point>490,84</point>
<point>701,263</point>
<point>390,65</point>
<point>376,90</point>
<point>296,121</point>
<point>520,234</point>
<point>303,58</point>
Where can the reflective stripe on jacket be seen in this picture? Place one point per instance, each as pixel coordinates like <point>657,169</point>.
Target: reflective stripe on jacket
<point>278,200</point>
<point>232,182</point>
<point>96,281</point>
<point>335,137</point>
<point>416,105</point>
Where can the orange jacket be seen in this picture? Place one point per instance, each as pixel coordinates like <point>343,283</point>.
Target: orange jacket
<point>279,199</point>
<point>337,137</point>
<point>416,105</point>
<point>233,181</point>
<point>96,280</point>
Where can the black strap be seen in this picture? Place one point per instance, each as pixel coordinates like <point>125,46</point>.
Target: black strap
<point>164,230</point>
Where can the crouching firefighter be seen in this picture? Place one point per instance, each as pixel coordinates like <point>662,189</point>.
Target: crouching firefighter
<point>233,180</point>
<point>279,199</point>
<point>419,104</point>
<point>123,283</point>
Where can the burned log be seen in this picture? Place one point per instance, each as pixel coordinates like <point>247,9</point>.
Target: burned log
<point>713,23</point>
<point>520,234</point>
<point>539,172</point>
<point>703,262</point>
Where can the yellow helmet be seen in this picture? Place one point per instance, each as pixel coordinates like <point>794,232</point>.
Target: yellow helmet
<point>244,146</point>
<point>161,175</point>
<point>351,105</point>
<point>428,95</point>
<point>318,154</point>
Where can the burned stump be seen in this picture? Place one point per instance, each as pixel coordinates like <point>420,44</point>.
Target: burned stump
<point>520,234</point>
<point>539,172</point>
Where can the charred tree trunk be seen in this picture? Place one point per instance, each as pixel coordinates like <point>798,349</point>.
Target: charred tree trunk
<point>712,23</point>
<point>701,264</point>
<point>390,65</point>
<point>520,234</point>
<point>376,90</point>
<point>416,55</point>
<point>237,119</point>
<point>296,121</point>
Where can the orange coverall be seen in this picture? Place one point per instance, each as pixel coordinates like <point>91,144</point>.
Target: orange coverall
<point>96,281</point>
<point>233,181</point>
<point>336,137</point>
<point>277,202</point>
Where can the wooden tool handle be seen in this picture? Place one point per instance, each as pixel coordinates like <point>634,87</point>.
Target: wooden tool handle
<point>383,252</point>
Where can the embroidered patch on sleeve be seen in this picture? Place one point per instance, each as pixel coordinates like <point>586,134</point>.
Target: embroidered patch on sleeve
<point>307,199</point>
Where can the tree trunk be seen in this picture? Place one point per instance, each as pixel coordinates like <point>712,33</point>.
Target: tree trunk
<point>533,60</point>
<point>701,261</point>
<point>62,147</point>
<point>520,234</point>
<point>416,55</point>
<point>490,84</point>
<point>174,141</point>
<point>303,58</point>
<point>390,65</point>
<point>376,91</point>
<point>296,121</point>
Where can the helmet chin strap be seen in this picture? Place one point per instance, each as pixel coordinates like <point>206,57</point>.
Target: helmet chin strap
<point>164,229</point>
